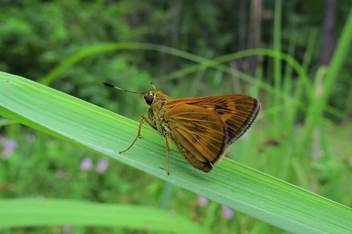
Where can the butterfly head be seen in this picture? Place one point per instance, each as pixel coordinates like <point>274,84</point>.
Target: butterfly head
<point>149,97</point>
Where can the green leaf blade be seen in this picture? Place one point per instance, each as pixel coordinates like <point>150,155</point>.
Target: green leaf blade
<point>230,183</point>
<point>34,212</point>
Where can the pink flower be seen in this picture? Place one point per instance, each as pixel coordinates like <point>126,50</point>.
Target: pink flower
<point>66,228</point>
<point>102,165</point>
<point>202,201</point>
<point>40,197</point>
<point>244,136</point>
<point>86,164</point>
<point>227,212</point>
<point>9,146</point>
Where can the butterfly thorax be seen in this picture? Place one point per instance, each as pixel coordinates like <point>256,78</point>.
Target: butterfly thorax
<point>156,111</point>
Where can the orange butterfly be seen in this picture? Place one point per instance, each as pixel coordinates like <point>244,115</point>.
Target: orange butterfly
<point>202,128</point>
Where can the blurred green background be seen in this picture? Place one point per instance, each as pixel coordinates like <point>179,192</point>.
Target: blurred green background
<point>296,143</point>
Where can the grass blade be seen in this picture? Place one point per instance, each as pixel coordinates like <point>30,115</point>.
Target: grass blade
<point>34,212</point>
<point>230,183</point>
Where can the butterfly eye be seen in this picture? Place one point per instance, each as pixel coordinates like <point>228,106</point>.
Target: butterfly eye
<point>149,99</point>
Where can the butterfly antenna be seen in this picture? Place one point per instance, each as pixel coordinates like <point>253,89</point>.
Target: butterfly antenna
<point>112,86</point>
<point>153,85</point>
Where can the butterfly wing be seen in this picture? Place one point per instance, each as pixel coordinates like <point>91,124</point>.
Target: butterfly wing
<point>236,112</point>
<point>199,134</point>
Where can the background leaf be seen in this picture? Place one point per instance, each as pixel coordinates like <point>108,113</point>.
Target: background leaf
<point>31,212</point>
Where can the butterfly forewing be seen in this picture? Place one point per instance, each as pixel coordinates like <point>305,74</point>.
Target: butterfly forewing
<point>236,112</point>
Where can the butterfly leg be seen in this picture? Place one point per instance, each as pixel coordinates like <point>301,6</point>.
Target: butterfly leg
<point>167,154</point>
<point>139,132</point>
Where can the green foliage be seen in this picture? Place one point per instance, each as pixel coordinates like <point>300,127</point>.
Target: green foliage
<point>73,46</point>
<point>37,35</point>
<point>231,184</point>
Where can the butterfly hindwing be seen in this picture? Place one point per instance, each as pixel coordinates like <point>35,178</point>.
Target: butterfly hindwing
<point>197,131</point>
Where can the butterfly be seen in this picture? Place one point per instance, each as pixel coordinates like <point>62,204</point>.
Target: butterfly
<point>201,128</point>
